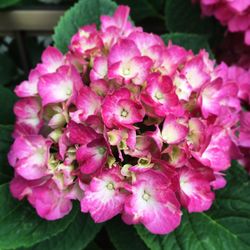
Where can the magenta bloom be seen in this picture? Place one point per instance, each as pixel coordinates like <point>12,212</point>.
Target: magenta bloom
<point>153,204</point>
<point>29,156</point>
<point>127,125</point>
<point>119,110</point>
<point>233,14</point>
<point>102,197</point>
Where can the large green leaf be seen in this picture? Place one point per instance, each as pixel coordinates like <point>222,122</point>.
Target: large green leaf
<point>5,142</point>
<point>20,226</point>
<point>79,233</point>
<point>7,100</point>
<point>189,41</point>
<point>226,226</point>
<point>124,237</point>
<point>82,13</point>
<point>8,3</point>
<point>183,16</point>
<point>7,69</point>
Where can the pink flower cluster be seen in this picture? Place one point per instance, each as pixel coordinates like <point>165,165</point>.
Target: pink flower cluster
<point>235,14</point>
<point>126,125</point>
<point>241,76</point>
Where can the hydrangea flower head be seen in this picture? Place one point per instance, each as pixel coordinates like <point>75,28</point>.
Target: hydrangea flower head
<point>126,125</point>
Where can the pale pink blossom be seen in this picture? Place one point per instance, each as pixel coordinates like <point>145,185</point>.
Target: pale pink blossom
<point>52,59</point>
<point>28,88</point>
<point>29,156</point>
<point>152,203</point>
<point>103,198</point>
<point>119,110</point>
<point>59,86</point>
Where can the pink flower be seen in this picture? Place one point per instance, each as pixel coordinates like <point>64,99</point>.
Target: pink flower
<point>119,110</point>
<point>52,59</point>
<point>88,103</point>
<point>217,153</point>
<point>49,202</point>
<point>59,86</point>
<point>152,203</point>
<point>92,156</point>
<point>216,95</point>
<point>195,72</point>
<point>20,187</point>
<point>239,76</point>
<point>149,45</point>
<point>86,41</point>
<point>159,95</point>
<point>102,197</point>
<point>171,57</point>
<point>29,156</point>
<point>125,62</point>
<point>28,88</point>
<point>119,20</point>
<point>28,113</point>
<point>195,190</point>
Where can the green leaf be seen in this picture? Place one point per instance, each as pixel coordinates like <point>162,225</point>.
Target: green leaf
<point>93,246</point>
<point>225,226</point>
<point>124,237</point>
<point>188,41</point>
<point>183,16</point>
<point>7,69</point>
<point>20,226</point>
<point>6,172</point>
<point>7,100</point>
<point>82,13</point>
<point>79,233</point>
<point>8,3</point>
